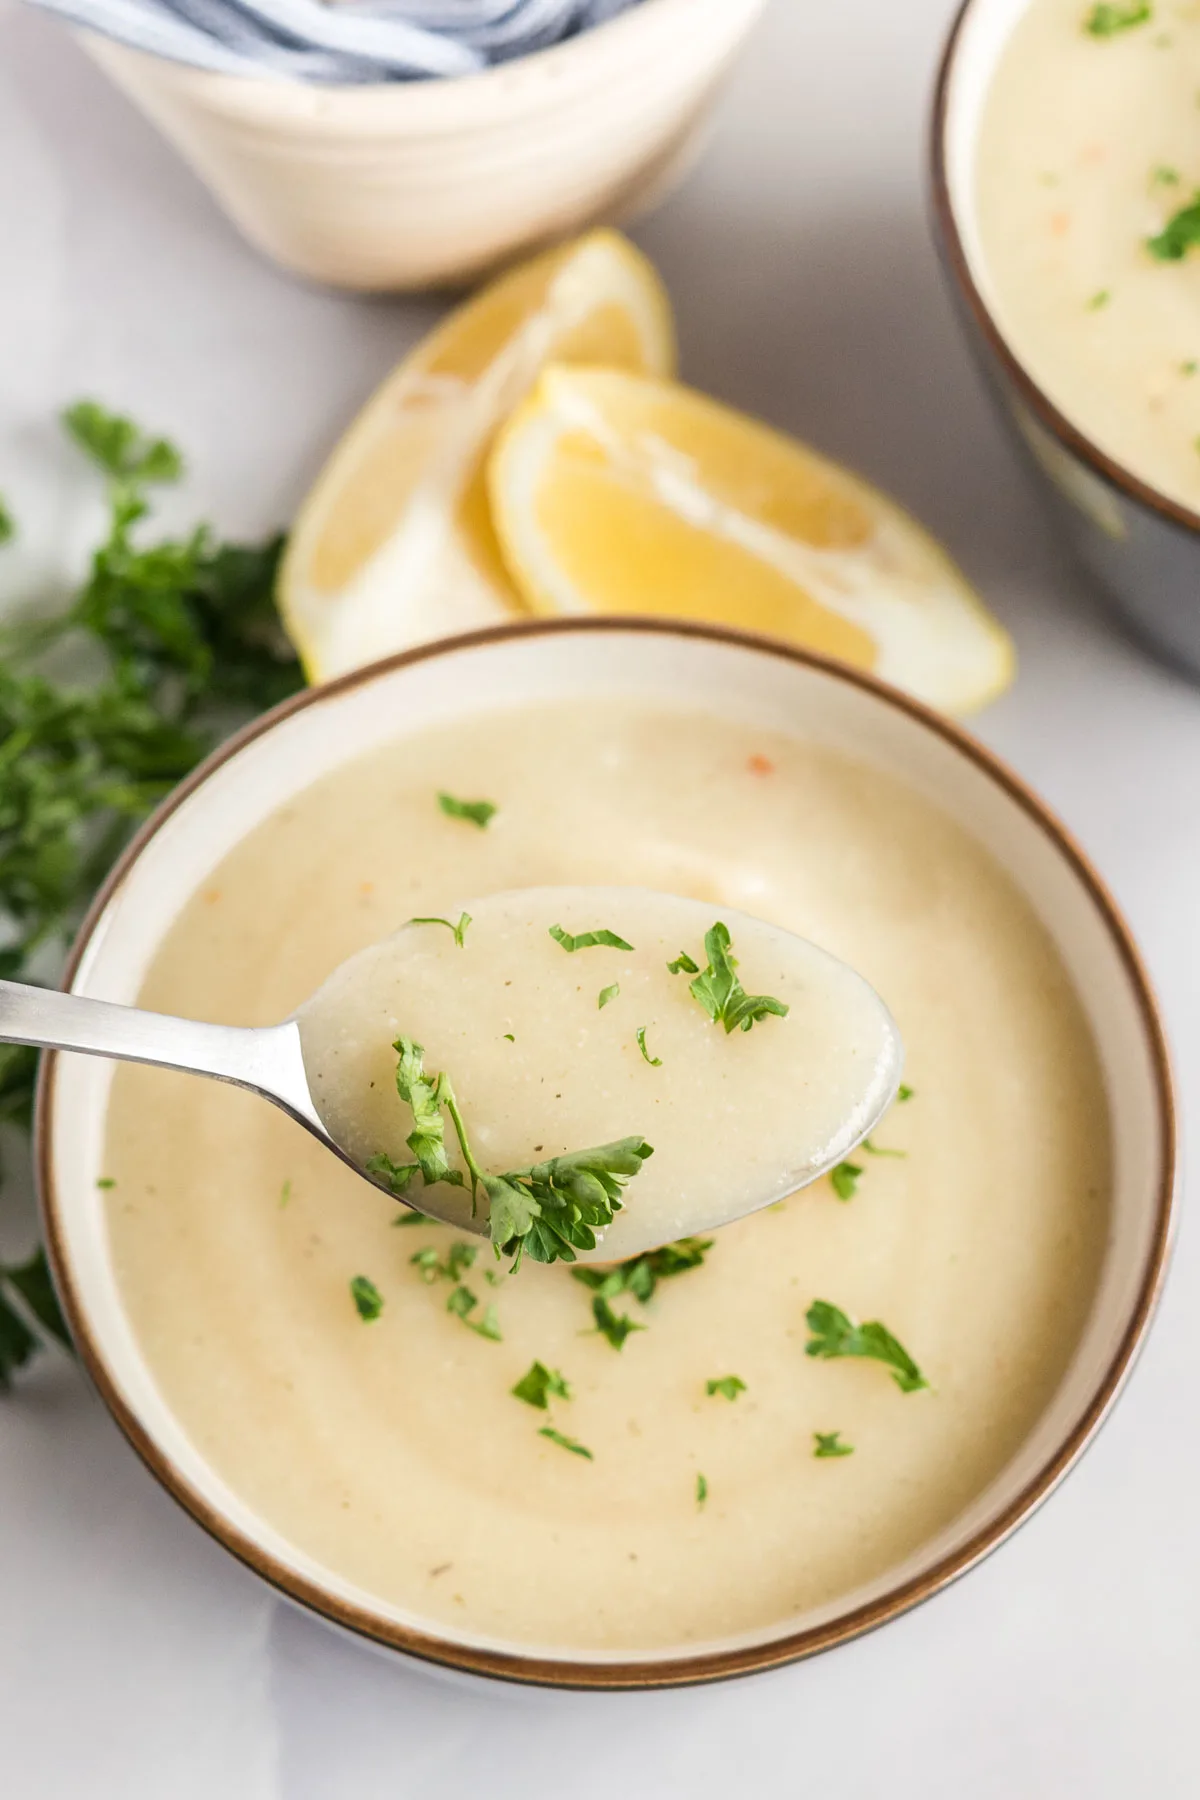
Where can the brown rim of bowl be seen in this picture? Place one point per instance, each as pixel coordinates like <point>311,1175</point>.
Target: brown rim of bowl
<point>673,1671</point>
<point>955,258</point>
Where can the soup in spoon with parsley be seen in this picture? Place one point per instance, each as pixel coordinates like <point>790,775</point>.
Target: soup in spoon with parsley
<point>467,1048</point>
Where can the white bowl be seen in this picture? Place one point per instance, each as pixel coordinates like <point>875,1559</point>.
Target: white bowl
<point>411,184</point>
<point>717,671</point>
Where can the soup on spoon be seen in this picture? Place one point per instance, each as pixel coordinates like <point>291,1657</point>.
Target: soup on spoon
<point>591,1071</point>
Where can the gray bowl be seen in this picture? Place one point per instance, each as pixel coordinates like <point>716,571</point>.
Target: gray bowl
<point>1142,548</point>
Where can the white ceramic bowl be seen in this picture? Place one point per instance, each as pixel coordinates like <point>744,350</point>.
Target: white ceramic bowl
<point>712,670</point>
<point>412,184</point>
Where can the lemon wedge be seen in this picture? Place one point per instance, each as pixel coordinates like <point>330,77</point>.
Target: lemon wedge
<point>394,544</point>
<point>615,493</point>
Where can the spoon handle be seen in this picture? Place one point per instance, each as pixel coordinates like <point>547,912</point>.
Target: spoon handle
<point>264,1058</point>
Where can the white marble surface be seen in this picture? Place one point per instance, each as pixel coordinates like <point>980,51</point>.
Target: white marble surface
<point>136,1661</point>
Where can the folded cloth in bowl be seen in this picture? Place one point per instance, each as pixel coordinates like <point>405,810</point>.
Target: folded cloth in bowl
<point>355,42</point>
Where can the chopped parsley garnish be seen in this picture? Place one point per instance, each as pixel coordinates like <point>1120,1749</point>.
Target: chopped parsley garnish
<point>409,1216</point>
<point>720,992</point>
<point>654,1061</point>
<point>462,1303</point>
<point>552,1209</point>
<point>1106,19</point>
<point>879,1149</point>
<point>30,1284</point>
<point>616,1327</point>
<point>509,1038</point>
<point>547,1211</point>
<point>1165,177</point>
<point>566,1443</point>
<point>607,994</point>
<point>183,643</point>
<point>588,940</point>
<point>1180,234</point>
<point>1099,299</point>
<point>17,1342</point>
<point>426,1095</point>
<point>459,1257</point>
<point>904,1092</point>
<point>640,1275</point>
<point>428,1263</point>
<point>835,1334</point>
<point>8,528</point>
<point>285,1193</point>
<point>477,812</point>
<point>393,1175</point>
<point>683,965</point>
<point>366,1297</point>
<point>106,1181</point>
<point>539,1385</point>
<point>829,1443</point>
<point>701,1490</point>
<point>459,930</point>
<point>730,1386</point>
<point>845,1178</point>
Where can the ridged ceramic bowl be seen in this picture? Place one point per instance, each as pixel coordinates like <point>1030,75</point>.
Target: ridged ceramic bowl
<point>708,670</point>
<point>416,184</point>
<point>1142,547</point>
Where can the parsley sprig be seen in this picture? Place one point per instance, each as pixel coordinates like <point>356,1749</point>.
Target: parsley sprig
<point>367,1298</point>
<point>640,1275</point>
<point>835,1334</point>
<point>547,1211</point>
<point>462,1303</point>
<point>1109,17</point>
<point>719,989</point>
<point>475,812</point>
<point>539,1385</point>
<point>1180,234</point>
<point>844,1178</point>
<point>29,1284</point>
<point>190,644</point>
<point>588,940</point>
<point>613,1326</point>
<point>566,1443</point>
<point>459,930</point>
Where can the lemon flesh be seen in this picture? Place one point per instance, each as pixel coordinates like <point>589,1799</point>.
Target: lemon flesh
<point>394,544</point>
<point>617,493</point>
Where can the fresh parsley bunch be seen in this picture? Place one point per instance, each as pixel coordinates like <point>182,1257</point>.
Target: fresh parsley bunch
<point>191,645</point>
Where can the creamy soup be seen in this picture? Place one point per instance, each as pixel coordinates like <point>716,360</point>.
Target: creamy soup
<point>679,1497</point>
<point>1087,171</point>
<point>554,1044</point>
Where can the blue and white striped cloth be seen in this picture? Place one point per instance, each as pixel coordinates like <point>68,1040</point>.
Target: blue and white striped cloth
<point>351,41</point>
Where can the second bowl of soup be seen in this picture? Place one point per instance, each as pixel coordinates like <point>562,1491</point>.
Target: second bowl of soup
<point>1065,187</point>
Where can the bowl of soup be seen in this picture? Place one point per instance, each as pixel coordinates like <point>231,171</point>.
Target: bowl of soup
<point>1065,183</point>
<point>746,1445</point>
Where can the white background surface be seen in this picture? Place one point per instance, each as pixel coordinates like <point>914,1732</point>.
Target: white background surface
<point>137,1662</point>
